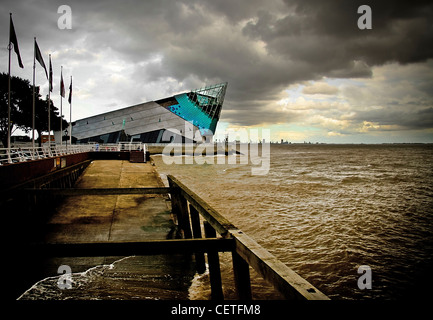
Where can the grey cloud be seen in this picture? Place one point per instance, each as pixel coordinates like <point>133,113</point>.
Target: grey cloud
<point>352,69</point>
<point>320,88</point>
<point>400,117</point>
<point>240,117</point>
<point>326,30</point>
<point>210,41</point>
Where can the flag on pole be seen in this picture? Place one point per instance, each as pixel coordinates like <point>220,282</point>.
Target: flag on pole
<point>38,57</point>
<point>13,39</point>
<point>70,113</point>
<point>51,76</point>
<point>70,93</point>
<point>62,85</point>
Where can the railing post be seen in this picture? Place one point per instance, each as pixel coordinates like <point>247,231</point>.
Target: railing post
<point>180,209</point>
<point>241,270</point>
<point>214,266</point>
<point>196,230</point>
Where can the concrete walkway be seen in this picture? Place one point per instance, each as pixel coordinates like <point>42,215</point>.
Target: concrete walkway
<point>92,218</point>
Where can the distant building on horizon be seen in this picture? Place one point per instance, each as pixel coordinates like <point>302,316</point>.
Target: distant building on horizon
<point>160,121</point>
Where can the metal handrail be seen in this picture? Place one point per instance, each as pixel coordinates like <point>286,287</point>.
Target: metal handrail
<point>22,154</point>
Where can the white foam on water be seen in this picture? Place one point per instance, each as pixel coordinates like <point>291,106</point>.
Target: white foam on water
<point>47,288</point>
<point>200,286</point>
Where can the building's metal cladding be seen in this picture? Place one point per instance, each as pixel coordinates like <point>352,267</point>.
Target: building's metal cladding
<point>183,117</point>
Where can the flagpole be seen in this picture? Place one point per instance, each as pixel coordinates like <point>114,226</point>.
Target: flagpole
<point>33,110</point>
<point>49,107</point>
<point>12,41</point>
<point>70,115</point>
<point>9,98</point>
<point>61,112</point>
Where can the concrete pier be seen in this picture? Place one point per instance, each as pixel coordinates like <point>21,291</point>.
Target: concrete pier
<point>117,218</point>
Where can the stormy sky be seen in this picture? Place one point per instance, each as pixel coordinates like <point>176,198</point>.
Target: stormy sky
<point>302,69</point>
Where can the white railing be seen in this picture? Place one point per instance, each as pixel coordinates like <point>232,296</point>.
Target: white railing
<point>22,154</point>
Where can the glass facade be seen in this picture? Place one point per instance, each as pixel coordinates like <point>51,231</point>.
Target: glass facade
<point>201,107</point>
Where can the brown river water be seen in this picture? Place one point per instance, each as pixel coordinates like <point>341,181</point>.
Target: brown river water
<point>324,210</point>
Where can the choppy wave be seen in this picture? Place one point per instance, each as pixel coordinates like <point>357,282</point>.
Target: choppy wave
<point>48,288</point>
<point>200,286</point>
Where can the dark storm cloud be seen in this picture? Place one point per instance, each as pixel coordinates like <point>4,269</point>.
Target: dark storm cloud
<point>325,33</point>
<point>404,118</point>
<point>256,110</point>
<point>259,47</point>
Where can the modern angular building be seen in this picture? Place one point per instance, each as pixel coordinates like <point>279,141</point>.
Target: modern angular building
<point>180,118</point>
